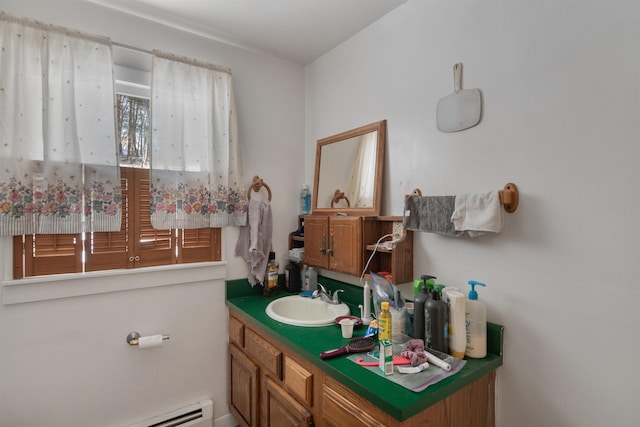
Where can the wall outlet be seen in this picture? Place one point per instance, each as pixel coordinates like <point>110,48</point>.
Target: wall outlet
<point>398,231</point>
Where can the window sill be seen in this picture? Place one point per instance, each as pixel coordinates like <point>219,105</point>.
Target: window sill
<point>80,284</point>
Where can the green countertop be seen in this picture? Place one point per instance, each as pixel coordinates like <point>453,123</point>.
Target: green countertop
<point>394,399</point>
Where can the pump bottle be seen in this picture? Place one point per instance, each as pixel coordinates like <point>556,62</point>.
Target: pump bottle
<point>476,323</point>
<point>418,310</point>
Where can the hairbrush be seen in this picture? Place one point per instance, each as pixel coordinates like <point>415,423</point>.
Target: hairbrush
<point>356,345</point>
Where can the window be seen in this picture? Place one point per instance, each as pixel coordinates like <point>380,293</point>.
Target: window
<point>137,244</point>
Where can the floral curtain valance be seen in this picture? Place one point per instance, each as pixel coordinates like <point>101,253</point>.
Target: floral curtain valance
<point>196,173</point>
<point>58,165</point>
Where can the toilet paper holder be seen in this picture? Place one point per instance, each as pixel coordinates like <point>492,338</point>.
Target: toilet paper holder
<point>134,337</point>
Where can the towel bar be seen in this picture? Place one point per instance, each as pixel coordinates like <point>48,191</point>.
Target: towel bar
<point>339,195</point>
<point>256,184</point>
<point>134,337</point>
<point>509,196</point>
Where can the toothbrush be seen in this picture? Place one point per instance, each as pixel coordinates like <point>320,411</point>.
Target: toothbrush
<point>413,369</point>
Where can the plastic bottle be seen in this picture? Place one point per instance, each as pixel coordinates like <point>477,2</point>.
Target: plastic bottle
<point>310,279</point>
<point>418,312</point>
<point>303,277</point>
<point>271,284</point>
<point>366,306</point>
<point>436,319</point>
<point>476,323</point>
<point>292,282</point>
<point>385,323</point>
<point>305,200</point>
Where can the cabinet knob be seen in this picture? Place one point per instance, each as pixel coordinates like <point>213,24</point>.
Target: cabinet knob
<point>331,245</point>
<point>323,248</point>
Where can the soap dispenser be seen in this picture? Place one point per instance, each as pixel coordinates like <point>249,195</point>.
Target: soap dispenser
<point>476,323</point>
<point>425,279</point>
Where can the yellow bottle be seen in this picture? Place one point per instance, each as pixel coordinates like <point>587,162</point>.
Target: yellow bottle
<point>384,322</point>
<point>271,280</point>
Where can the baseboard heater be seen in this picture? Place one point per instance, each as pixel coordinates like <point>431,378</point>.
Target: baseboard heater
<point>192,415</point>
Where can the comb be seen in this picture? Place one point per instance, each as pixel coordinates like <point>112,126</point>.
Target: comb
<point>397,360</point>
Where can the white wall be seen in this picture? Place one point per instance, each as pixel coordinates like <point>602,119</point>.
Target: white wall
<point>65,361</point>
<point>561,92</point>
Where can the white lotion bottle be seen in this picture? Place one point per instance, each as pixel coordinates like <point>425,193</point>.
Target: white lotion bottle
<point>476,324</point>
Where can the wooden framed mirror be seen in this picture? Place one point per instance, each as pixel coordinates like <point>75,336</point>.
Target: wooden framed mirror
<point>349,170</point>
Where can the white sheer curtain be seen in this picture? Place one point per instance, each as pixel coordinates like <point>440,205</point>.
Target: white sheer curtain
<point>360,190</point>
<point>58,165</point>
<point>196,172</point>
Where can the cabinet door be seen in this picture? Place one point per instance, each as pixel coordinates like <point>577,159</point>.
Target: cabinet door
<point>282,410</point>
<point>345,245</point>
<point>316,240</point>
<point>341,407</point>
<point>243,388</point>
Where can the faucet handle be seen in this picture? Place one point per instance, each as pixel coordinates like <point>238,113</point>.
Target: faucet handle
<point>336,299</point>
<point>323,289</point>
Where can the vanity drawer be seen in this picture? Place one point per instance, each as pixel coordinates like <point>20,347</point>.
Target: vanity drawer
<point>298,381</point>
<point>265,354</point>
<point>236,332</point>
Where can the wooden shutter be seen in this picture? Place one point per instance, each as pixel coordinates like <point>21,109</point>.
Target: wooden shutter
<point>137,244</point>
<point>52,254</point>
<point>110,250</point>
<point>200,244</point>
<point>154,247</point>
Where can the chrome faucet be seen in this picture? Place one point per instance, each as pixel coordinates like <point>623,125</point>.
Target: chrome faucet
<point>325,295</point>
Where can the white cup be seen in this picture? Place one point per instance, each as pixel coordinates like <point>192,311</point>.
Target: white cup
<point>347,327</point>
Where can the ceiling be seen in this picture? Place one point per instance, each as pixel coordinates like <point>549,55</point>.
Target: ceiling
<point>296,30</point>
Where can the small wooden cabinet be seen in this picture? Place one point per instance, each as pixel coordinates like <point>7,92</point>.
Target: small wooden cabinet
<point>334,243</point>
<point>345,243</point>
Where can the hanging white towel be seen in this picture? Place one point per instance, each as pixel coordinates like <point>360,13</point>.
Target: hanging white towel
<point>254,240</point>
<point>478,214</point>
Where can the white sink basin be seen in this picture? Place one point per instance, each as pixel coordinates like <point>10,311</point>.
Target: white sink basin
<point>304,311</point>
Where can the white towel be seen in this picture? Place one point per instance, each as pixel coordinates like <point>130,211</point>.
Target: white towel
<point>254,240</point>
<point>478,214</point>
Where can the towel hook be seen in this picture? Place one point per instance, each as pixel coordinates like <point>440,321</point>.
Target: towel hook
<point>509,197</point>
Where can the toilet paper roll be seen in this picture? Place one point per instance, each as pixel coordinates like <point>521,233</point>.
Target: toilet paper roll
<point>150,342</point>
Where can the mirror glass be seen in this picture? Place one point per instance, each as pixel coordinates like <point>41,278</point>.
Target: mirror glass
<point>348,174</point>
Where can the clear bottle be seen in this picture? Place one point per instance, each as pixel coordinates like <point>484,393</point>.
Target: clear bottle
<point>476,323</point>
<point>310,279</point>
<point>305,200</point>
<point>385,323</point>
<point>271,284</point>
<point>313,278</point>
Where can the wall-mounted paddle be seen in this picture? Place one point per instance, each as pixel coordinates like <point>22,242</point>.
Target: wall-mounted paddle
<point>460,110</point>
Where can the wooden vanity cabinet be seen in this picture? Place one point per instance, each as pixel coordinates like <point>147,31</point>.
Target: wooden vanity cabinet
<point>271,385</point>
<point>334,243</point>
<point>267,387</point>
